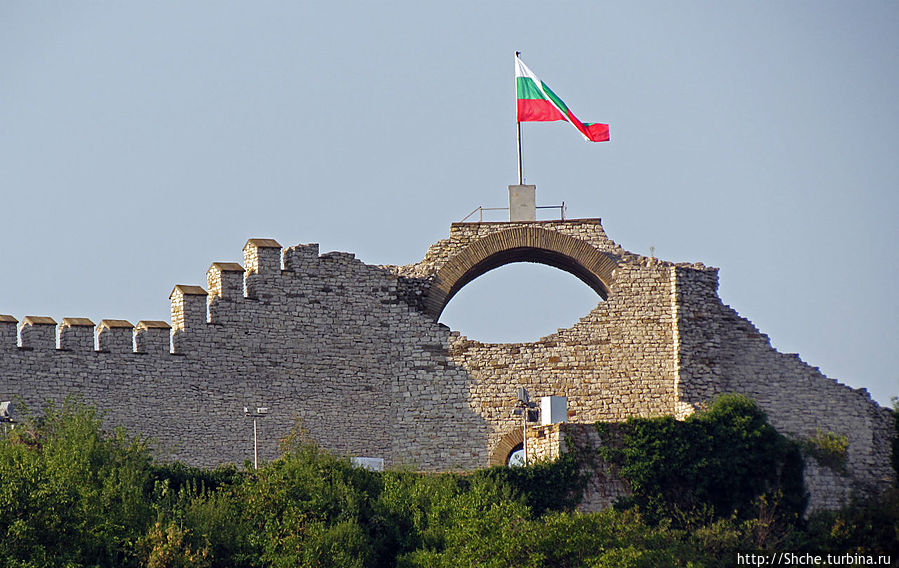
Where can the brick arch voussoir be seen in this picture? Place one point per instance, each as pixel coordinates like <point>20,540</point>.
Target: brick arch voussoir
<point>582,259</point>
<point>501,452</point>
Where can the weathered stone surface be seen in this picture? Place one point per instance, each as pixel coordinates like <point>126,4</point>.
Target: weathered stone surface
<point>604,486</point>
<point>354,353</point>
<point>76,334</point>
<point>38,333</point>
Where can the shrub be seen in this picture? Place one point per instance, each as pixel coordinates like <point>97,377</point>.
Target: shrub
<point>868,526</point>
<point>179,475</point>
<point>726,458</point>
<point>70,493</point>
<point>167,547</point>
<point>544,485</point>
<point>829,449</point>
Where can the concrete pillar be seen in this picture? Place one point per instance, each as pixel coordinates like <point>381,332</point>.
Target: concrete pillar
<point>522,203</point>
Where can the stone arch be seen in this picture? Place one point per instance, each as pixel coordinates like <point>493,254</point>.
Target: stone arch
<point>501,452</point>
<point>520,244</point>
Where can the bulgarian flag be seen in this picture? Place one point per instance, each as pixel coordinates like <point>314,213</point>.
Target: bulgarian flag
<point>537,102</point>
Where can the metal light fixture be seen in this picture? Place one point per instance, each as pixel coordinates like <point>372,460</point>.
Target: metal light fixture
<point>260,412</point>
<point>523,408</point>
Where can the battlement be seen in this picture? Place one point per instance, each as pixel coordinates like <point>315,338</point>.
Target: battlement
<point>189,308</point>
<point>115,336</point>
<point>76,334</point>
<point>194,308</point>
<point>41,333</point>
<point>37,332</point>
<point>225,280</point>
<point>152,337</point>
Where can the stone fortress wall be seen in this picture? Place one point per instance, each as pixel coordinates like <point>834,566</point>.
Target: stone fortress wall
<point>355,353</point>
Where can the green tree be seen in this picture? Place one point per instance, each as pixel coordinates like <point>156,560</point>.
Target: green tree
<point>70,494</point>
<point>725,458</point>
<point>307,509</point>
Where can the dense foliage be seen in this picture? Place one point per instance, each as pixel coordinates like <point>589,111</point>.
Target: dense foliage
<point>727,459</point>
<point>69,493</point>
<point>72,495</point>
<point>828,449</point>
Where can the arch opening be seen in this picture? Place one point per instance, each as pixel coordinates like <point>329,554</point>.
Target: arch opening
<point>506,447</point>
<point>519,303</point>
<point>521,244</point>
<point>530,254</point>
<point>516,457</point>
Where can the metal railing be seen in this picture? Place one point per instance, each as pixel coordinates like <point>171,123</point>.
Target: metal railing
<point>480,211</point>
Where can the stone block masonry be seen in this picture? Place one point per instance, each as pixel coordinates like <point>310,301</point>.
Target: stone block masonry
<point>604,486</point>
<point>354,355</point>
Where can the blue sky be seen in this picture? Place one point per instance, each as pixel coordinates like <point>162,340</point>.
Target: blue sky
<point>139,142</point>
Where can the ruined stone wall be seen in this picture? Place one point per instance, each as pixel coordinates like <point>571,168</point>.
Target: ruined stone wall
<point>463,235</point>
<point>604,486</point>
<point>355,354</point>
<point>324,341</point>
<point>719,352</point>
<point>828,487</point>
<point>616,362</point>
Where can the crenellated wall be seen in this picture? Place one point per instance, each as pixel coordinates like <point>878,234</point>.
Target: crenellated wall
<point>322,339</point>
<point>355,355</point>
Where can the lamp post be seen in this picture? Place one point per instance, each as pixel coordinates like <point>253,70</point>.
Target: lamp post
<point>522,407</point>
<point>260,412</point>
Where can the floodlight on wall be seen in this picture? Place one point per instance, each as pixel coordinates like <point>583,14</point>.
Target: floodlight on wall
<point>522,394</point>
<point>523,408</point>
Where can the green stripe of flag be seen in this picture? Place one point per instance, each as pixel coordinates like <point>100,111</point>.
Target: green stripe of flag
<point>555,98</point>
<point>527,89</point>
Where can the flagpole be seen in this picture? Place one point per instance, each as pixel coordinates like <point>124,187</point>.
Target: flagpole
<point>520,180</point>
<point>518,122</point>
